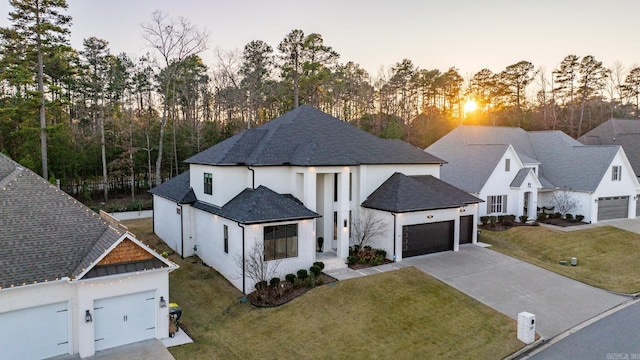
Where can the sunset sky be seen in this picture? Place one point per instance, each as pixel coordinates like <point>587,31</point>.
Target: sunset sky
<point>467,34</point>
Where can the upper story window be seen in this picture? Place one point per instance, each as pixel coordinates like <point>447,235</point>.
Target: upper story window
<point>350,186</point>
<point>335,187</point>
<point>616,173</point>
<point>208,183</point>
<point>507,164</point>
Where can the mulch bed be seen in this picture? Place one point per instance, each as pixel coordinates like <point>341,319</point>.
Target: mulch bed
<point>554,221</point>
<point>358,266</point>
<point>564,222</point>
<point>289,292</point>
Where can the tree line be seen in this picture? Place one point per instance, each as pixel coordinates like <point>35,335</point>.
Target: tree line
<point>79,114</point>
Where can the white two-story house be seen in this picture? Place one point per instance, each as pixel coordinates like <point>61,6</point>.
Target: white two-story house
<point>301,177</point>
<point>517,172</point>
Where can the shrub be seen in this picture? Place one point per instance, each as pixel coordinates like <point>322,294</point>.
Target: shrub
<point>315,270</point>
<point>484,219</point>
<point>377,261</point>
<point>290,278</point>
<point>380,253</point>
<point>541,217</point>
<point>319,264</point>
<point>351,260</point>
<point>568,216</point>
<point>579,218</point>
<point>492,220</point>
<point>523,218</point>
<point>302,274</point>
<point>261,285</point>
<point>506,220</point>
<point>310,281</point>
<point>557,215</point>
<point>274,282</point>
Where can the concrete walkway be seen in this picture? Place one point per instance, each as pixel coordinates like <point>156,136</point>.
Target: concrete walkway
<point>511,286</point>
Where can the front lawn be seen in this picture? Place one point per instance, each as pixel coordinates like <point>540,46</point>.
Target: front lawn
<point>607,256</point>
<point>402,314</point>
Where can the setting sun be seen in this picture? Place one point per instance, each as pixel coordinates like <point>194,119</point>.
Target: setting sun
<point>470,106</point>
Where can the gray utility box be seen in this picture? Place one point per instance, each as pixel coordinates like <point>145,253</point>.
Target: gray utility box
<point>526,327</point>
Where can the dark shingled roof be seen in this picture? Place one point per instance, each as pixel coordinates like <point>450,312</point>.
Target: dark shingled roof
<point>625,133</point>
<point>307,136</point>
<point>177,189</point>
<point>45,233</point>
<point>520,176</point>
<point>402,193</point>
<point>261,205</point>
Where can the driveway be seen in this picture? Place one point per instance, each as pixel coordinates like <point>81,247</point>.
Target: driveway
<point>152,349</point>
<point>511,286</point>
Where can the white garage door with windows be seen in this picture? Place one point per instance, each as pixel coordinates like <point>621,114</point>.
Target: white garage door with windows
<point>613,207</point>
<point>35,333</point>
<point>124,319</point>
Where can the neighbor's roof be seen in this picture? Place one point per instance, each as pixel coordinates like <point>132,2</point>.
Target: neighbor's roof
<point>472,153</point>
<point>261,205</point>
<point>307,136</point>
<point>401,193</point>
<point>177,189</point>
<point>625,133</point>
<point>46,234</point>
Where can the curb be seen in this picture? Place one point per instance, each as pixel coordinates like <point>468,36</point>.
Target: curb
<point>526,349</point>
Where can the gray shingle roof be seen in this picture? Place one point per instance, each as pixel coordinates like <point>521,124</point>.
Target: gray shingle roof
<point>307,136</point>
<point>519,178</point>
<point>625,133</point>
<point>261,205</point>
<point>402,193</point>
<point>46,234</point>
<point>564,162</point>
<point>177,189</point>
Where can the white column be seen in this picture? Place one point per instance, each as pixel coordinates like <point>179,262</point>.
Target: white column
<point>343,213</point>
<point>310,189</point>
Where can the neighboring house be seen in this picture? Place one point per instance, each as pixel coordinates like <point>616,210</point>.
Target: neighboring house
<point>518,172</point>
<point>301,177</point>
<point>71,281</point>
<point>625,133</point>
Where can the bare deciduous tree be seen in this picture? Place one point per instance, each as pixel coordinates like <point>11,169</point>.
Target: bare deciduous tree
<point>255,266</point>
<point>563,201</point>
<point>365,226</point>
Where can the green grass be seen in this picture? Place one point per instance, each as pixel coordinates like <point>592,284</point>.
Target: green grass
<point>402,314</point>
<point>607,256</point>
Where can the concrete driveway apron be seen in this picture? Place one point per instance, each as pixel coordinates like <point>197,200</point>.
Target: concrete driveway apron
<point>511,286</point>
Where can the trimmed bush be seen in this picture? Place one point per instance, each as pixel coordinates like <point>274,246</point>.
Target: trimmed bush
<point>290,278</point>
<point>568,216</point>
<point>315,270</point>
<point>484,219</point>
<point>557,215</point>
<point>274,282</point>
<point>523,218</point>
<point>493,220</point>
<point>302,274</point>
<point>351,260</point>
<point>319,264</point>
<point>380,253</point>
<point>580,217</point>
<point>541,217</point>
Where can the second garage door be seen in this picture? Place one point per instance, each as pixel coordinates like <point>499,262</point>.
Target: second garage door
<point>124,319</point>
<point>614,207</point>
<point>423,239</point>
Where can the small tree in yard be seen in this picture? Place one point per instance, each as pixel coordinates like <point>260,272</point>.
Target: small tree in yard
<point>365,226</point>
<point>256,267</point>
<point>564,202</point>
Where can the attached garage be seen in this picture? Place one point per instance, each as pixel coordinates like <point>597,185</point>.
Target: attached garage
<point>124,319</point>
<point>466,229</point>
<point>428,238</point>
<point>614,207</point>
<point>35,333</point>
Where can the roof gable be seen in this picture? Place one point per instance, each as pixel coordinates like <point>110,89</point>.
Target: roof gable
<point>307,136</point>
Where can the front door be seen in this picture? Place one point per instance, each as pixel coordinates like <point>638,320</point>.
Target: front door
<point>526,201</point>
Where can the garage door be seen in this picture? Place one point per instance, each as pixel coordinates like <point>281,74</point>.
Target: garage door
<point>466,229</point>
<point>637,207</point>
<point>35,333</point>
<point>427,238</point>
<point>124,319</point>
<point>615,207</point>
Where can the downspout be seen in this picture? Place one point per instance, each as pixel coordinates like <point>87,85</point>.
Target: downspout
<point>394,235</point>
<point>253,177</point>
<point>243,260</point>
<point>181,232</point>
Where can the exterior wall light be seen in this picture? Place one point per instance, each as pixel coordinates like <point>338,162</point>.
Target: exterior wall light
<point>163,302</point>
<point>87,317</point>
<point>345,223</point>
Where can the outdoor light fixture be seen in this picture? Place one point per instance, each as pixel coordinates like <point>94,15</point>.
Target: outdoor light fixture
<point>163,302</point>
<point>462,209</point>
<point>345,222</point>
<point>528,184</point>
<point>635,197</point>
<point>87,317</point>
<point>429,216</point>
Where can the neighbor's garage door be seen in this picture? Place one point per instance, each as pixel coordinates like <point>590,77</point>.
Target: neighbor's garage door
<point>637,207</point>
<point>124,319</point>
<point>466,229</point>
<point>35,333</point>
<point>427,238</point>
<point>615,207</point>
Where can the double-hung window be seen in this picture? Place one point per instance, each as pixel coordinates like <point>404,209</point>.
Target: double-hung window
<point>280,241</point>
<point>496,204</point>
<point>208,183</point>
<point>616,173</point>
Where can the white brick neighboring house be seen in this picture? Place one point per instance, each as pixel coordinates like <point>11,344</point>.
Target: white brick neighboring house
<point>300,177</point>
<point>517,172</point>
<point>71,281</point>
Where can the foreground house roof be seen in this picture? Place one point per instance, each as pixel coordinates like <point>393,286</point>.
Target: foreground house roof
<point>473,152</point>
<point>625,133</point>
<point>260,205</point>
<point>46,234</point>
<point>402,193</point>
<point>307,136</point>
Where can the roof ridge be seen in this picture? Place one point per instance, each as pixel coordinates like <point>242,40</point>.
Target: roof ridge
<point>11,177</point>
